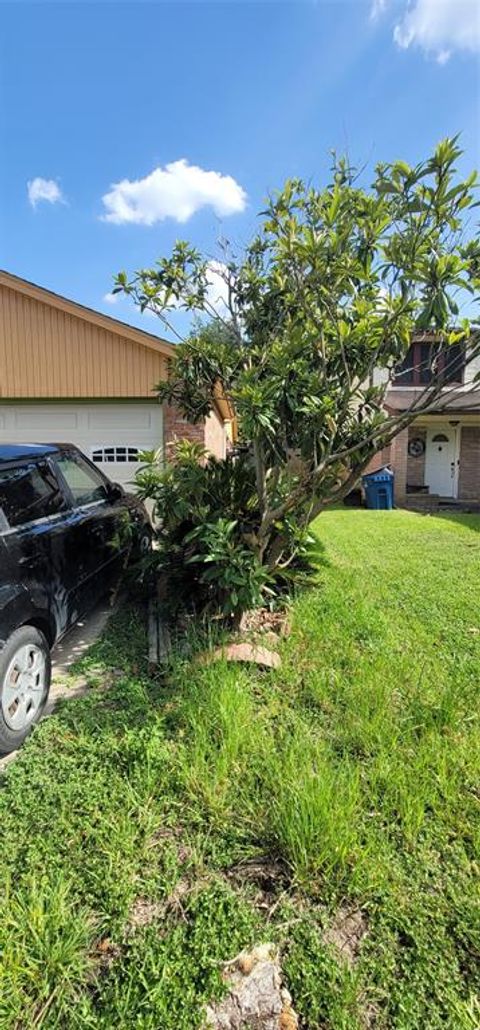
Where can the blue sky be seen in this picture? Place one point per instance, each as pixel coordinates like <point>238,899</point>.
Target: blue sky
<point>97,94</point>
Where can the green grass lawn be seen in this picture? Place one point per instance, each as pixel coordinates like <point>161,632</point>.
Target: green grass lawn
<point>351,775</point>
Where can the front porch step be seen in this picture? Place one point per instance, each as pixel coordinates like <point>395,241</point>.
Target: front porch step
<point>422,502</point>
<point>433,502</point>
<point>456,504</point>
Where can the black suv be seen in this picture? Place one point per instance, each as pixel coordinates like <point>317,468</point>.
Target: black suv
<point>66,533</point>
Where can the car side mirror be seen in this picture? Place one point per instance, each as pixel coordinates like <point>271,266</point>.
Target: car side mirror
<point>115,492</point>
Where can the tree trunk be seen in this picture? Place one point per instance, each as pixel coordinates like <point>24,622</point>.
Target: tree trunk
<point>260,476</point>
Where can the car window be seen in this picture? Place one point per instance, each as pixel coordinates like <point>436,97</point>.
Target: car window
<point>85,483</point>
<point>28,492</point>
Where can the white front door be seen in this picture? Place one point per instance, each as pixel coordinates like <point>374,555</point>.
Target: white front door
<point>440,460</point>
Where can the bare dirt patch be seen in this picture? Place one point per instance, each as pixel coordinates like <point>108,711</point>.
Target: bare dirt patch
<point>346,933</point>
<point>106,952</point>
<point>261,620</point>
<point>268,877</point>
<point>144,911</point>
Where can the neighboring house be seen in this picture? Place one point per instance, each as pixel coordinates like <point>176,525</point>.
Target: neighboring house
<point>70,374</point>
<point>437,459</point>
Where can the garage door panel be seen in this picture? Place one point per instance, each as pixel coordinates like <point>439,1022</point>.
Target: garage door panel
<point>138,420</point>
<point>40,421</point>
<point>91,427</point>
<point>120,473</point>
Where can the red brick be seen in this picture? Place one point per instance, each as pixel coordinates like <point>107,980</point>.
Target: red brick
<point>175,428</point>
<point>416,465</point>
<point>469,479</point>
<point>399,458</point>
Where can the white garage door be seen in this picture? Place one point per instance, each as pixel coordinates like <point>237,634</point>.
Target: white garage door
<point>111,435</point>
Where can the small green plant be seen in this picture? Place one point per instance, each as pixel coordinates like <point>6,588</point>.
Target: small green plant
<point>45,939</point>
<point>168,974</point>
<point>325,992</point>
<point>313,812</point>
<point>228,569</point>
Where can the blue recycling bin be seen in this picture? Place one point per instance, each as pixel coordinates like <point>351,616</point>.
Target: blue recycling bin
<point>378,488</point>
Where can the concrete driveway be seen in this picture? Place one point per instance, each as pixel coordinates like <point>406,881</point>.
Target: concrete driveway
<point>83,634</point>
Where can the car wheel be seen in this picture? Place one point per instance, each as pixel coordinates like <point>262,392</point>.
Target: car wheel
<point>143,544</point>
<point>25,673</point>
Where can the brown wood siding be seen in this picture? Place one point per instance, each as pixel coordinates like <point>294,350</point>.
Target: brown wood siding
<point>47,352</point>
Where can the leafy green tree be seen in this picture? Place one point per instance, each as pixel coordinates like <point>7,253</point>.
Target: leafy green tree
<point>319,312</point>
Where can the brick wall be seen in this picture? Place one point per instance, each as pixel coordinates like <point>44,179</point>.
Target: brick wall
<point>416,466</point>
<point>380,458</point>
<point>398,461</point>
<point>469,479</point>
<point>176,427</point>
<point>210,434</point>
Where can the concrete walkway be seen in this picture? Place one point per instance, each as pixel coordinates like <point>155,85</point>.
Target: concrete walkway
<point>83,634</point>
<point>80,638</point>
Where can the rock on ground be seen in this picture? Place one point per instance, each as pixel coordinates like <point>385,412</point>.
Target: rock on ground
<point>245,653</point>
<point>256,997</point>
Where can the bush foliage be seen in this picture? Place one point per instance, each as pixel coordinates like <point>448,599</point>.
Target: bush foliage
<point>207,512</point>
<point>326,297</point>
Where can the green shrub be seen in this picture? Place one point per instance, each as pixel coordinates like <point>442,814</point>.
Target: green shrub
<point>206,511</point>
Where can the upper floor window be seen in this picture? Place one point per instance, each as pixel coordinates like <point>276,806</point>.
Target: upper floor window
<point>424,361</point>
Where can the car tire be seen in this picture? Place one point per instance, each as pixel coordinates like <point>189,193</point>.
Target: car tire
<point>143,543</point>
<point>25,675</point>
<point>146,539</point>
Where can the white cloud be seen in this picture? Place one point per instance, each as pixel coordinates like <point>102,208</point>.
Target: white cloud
<point>440,26</point>
<point>176,191</point>
<point>443,56</point>
<point>44,189</point>
<point>217,293</point>
<point>126,307</point>
<point>377,8</point>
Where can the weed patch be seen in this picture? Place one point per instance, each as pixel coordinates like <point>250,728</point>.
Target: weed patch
<point>151,832</point>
